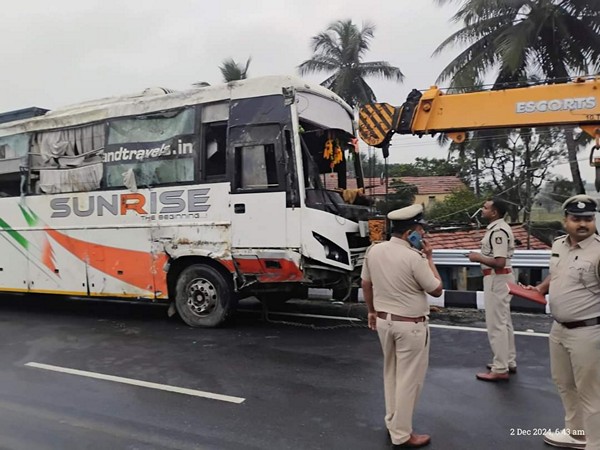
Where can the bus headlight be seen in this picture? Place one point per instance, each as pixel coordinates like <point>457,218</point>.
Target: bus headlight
<point>332,250</point>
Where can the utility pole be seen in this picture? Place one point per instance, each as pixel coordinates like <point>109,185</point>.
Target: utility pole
<point>477,187</point>
<point>528,192</point>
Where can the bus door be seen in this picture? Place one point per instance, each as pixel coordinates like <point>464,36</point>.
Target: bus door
<point>258,201</point>
<point>257,171</point>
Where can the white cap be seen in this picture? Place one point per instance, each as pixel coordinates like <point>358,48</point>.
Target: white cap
<point>412,214</point>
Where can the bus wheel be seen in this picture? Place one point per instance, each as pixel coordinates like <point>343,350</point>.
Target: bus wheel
<point>203,296</point>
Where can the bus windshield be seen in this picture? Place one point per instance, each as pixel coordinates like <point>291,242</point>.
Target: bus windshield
<point>332,171</point>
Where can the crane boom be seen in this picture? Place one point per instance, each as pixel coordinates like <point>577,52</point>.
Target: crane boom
<point>573,103</point>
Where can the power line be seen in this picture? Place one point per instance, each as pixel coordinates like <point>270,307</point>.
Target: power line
<point>516,84</point>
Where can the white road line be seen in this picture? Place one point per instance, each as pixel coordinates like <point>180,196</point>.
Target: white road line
<point>483,330</point>
<point>162,387</point>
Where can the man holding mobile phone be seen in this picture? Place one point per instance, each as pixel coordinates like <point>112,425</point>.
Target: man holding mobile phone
<point>497,248</point>
<point>396,276</point>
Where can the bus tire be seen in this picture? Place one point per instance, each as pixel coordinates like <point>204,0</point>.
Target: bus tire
<point>203,296</point>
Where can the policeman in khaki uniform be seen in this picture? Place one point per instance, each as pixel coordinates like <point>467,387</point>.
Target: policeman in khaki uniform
<point>574,288</point>
<point>396,276</point>
<point>497,248</point>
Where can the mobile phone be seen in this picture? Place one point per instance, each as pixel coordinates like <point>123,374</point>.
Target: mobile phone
<point>415,240</point>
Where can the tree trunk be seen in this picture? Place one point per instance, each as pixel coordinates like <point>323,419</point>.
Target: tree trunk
<point>573,163</point>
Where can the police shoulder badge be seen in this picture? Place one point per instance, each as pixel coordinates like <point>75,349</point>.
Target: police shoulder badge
<point>498,239</point>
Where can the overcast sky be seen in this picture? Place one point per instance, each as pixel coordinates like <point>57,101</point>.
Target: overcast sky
<point>66,51</point>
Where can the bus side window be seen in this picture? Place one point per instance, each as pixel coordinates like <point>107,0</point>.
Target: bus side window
<point>215,145</point>
<point>13,156</point>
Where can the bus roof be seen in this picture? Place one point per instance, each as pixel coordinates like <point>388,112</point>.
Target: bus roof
<point>160,99</point>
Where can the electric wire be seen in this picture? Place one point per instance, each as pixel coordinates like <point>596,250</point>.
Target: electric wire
<point>516,84</point>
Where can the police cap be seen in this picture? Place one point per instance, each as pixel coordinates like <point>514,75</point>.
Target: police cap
<point>580,205</point>
<point>409,215</point>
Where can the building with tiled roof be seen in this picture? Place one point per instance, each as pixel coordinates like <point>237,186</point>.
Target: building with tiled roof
<point>463,278</point>
<point>471,239</point>
<point>435,185</point>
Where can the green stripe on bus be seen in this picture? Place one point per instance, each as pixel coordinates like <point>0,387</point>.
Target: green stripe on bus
<point>14,234</point>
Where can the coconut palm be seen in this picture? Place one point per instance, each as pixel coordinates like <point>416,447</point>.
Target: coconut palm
<point>233,71</point>
<point>518,39</point>
<point>340,49</point>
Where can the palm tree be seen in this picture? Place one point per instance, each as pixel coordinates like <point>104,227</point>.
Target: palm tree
<point>340,49</point>
<point>521,39</point>
<point>233,71</point>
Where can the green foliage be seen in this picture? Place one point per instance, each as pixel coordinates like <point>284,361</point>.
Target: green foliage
<point>561,189</point>
<point>233,71</point>
<point>340,49</point>
<point>456,208</point>
<point>554,192</point>
<point>547,231</point>
<point>512,164</point>
<point>519,38</point>
<point>521,41</point>
<point>425,167</point>
<point>400,195</point>
<point>373,166</point>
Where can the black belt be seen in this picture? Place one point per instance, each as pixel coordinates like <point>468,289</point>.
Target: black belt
<point>581,323</point>
<point>394,317</point>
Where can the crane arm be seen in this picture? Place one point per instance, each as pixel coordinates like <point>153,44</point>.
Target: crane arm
<point>573,103</point>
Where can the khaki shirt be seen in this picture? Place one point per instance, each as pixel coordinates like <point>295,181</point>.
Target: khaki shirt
<point>401,276</point>
<point>498,242</point>
<point>574,279</point>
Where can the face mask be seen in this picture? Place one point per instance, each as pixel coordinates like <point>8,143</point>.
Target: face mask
<point>415,240</point>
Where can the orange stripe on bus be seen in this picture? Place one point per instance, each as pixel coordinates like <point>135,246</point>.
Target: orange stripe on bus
<point>48,256</point>
<point>140,269</point>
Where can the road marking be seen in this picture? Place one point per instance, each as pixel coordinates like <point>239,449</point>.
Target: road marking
<point>162,387</point>
<point>484,330</point>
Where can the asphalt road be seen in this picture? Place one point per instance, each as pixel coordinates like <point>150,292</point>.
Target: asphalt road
<point>300,382</point>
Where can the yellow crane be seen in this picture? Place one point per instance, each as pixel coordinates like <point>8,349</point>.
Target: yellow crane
<point>573,103</point>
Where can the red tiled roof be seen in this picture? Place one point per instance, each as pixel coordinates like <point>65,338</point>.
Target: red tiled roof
<point>425,185</point>
<point>435,185</point>
<point>471,239</point>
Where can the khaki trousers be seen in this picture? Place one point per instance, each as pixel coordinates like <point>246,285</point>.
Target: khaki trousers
<point>405,348</point>
<point>575,366</point>
<point>499,321</point>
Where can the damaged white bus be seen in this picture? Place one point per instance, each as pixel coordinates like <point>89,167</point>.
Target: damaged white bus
<point>199,197</point>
